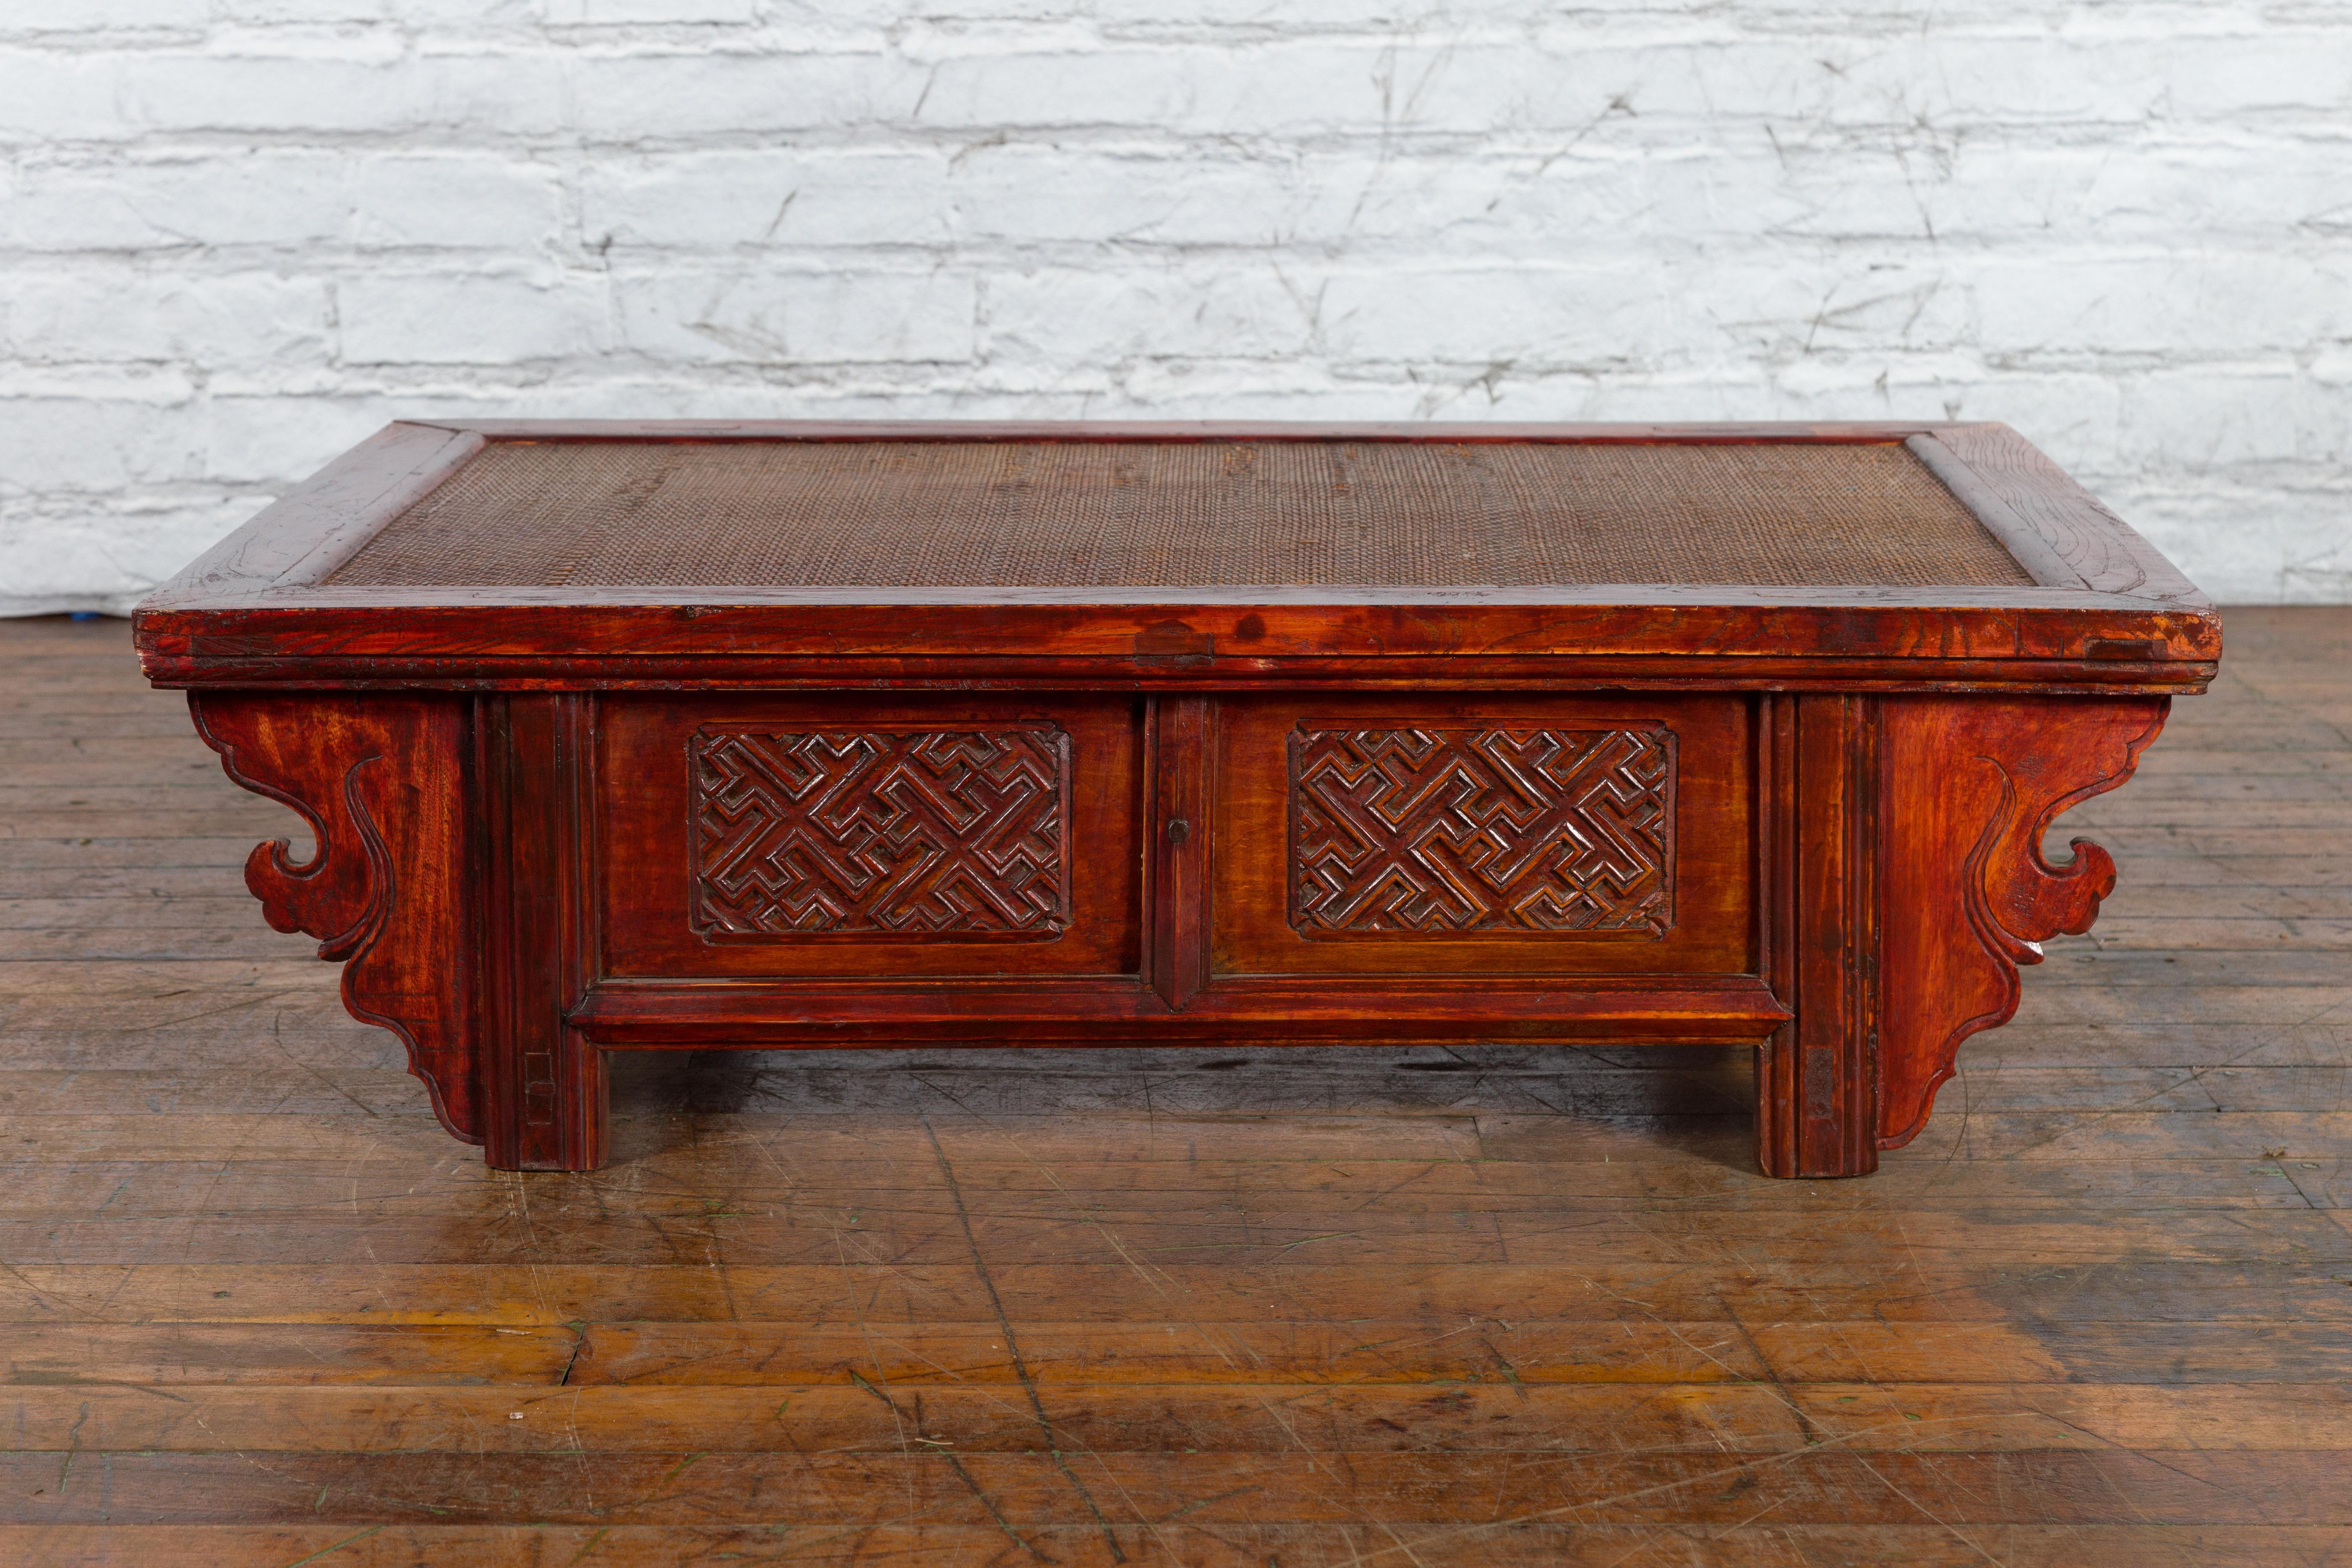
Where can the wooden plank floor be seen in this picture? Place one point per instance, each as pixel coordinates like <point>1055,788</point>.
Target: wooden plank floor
<point>1408,1307</point>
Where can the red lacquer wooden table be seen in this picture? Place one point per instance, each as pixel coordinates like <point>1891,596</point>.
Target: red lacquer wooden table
<point>664,736</point>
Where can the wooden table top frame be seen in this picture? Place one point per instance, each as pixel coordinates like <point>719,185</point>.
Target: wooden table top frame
<point>1827,801</point>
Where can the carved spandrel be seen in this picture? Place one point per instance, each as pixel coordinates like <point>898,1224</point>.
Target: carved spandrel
<point>380,782</point>
<point>881,834</point>
<point>1445,831</point>
<point>1970,787</point>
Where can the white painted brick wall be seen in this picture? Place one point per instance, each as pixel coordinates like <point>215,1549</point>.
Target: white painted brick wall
<point>237,234</point>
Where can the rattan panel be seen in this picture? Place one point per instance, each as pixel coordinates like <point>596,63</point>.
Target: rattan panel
<point>1172,514</point>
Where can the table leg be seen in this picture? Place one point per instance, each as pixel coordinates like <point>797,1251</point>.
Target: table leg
<point>1816,1078</point>
<point>544,1085</point>
<point>1904,882</point>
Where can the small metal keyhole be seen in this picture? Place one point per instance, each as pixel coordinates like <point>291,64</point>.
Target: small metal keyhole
<point>1178,830</point>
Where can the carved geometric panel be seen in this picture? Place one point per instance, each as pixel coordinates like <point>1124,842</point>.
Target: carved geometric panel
<point>1458,832</point>
<point>883,833</point>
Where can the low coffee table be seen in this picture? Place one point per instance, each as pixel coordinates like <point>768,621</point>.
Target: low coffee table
<point>709,735</point>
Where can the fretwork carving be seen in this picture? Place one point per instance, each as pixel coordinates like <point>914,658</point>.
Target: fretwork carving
<point>1449,832</point>
<point>881,833</point>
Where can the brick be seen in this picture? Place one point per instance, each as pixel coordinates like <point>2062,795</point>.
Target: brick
<point>777,197</point>
<point>2211,417</point>
<point>456,201</point>
<point>2140,188</point>
<point>561,12</point>
<point>35,17</point>
<point>97,444</point>
<point>311,12</point>
<point>1025,192</point>
<point>674,96</point>
<point>1246,88</point>
<point>1945,82</point>
<point>48,96</point>
<point>2204,301</point>
<point>1618,316</point>
<point>478,15</point>
<point>475,93</point>
<point>2310,69</point>
<point>149,385</point>
<point>202,320</point>
<point>780,318</point>
<point>1157,17</point>
<point>1084,316</point>
<point>1234,389</point>
<point>172,202</point>
<point>464,318</point>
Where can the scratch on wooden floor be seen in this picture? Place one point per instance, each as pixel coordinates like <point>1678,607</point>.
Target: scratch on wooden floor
<point>1012,1342</point>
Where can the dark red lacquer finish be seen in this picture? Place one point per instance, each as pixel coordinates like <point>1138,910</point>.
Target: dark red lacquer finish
<point>566,814</point>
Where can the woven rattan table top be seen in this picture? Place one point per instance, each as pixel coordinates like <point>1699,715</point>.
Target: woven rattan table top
<point>1145,513</point>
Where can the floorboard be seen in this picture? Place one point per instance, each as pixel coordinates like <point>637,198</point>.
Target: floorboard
<point>1274,1308</point>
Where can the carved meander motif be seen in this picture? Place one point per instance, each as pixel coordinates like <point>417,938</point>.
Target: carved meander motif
<point>1445,831</point>
<point>881,833</point>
